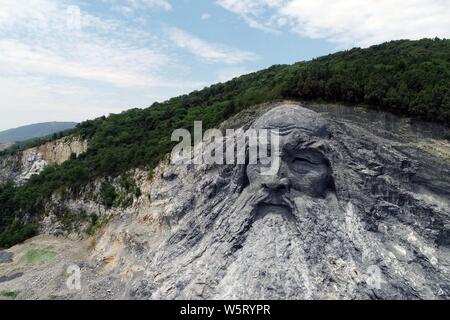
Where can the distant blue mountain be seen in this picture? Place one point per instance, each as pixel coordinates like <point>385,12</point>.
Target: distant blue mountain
<point>32,131</point>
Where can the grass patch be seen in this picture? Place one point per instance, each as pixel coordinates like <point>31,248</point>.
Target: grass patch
<point>96,224</point>
<point>35,256</point>
<point>9,294</point>
<point>70,219</point>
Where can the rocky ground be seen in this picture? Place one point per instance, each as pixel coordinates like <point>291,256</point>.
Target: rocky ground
<point>377,228</point>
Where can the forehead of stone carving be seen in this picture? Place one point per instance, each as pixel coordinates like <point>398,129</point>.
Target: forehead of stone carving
<point>287,118</point>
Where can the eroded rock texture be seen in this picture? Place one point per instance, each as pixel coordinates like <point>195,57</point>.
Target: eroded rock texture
<point>356,210</point>
<point>19,167</point>
<point>349,214</point>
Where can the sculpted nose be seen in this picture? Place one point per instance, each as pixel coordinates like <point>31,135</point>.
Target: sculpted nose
<point>278,185</point>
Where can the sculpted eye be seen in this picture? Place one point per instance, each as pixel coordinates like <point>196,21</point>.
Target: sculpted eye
<point>303,161</point>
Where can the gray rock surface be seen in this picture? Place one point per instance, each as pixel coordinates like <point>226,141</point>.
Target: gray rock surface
<point>358,209</point>
<point>6,257</point>
<point>19,167</point>
<point>359,216</point>
<point>10,277</point>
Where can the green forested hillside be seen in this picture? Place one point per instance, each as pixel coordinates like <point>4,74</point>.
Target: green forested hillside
<point>406,77</point>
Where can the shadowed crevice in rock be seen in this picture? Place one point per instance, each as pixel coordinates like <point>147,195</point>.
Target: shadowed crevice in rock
<point>6,257</point>
<point>263,210</point>
<point>10,277</point>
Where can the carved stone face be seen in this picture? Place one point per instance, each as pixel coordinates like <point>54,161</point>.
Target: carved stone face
<point>303,168</point>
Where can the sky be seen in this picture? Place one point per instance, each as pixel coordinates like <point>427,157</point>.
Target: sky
<point>72,60</point>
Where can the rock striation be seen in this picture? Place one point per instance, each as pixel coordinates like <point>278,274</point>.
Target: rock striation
<point>19,167</point>
<point>358,209</point>
<point>352,213</point>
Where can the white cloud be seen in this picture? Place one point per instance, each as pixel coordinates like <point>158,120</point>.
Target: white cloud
<point>58,63</point>
<point>128,6</point>
<point>249,6</point>
<point>205,16</point>
<point>256,13</point>
<point>348,22</point>
<point>156,3</point>
<point>117,66</point>
<point>56,45</point>
<point>35,12</point>
<point>209,52</point>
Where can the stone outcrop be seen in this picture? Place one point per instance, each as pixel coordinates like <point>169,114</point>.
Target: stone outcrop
<point>19,167</point>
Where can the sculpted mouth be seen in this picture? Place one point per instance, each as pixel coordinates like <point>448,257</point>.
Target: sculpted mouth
<point>264,209</point>
<point>274,202</point>
<point>277,199</point>
<point>278,203</point>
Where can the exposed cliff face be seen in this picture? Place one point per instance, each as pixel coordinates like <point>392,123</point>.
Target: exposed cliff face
<point>19,167</point>
<point>377,227</point>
